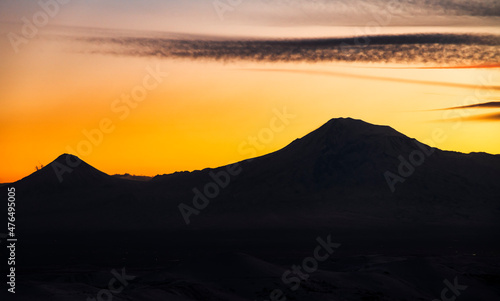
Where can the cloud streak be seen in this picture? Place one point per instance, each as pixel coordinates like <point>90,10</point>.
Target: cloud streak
<point>431,49</point>
<point>487,117</point>
<point>482,117</point>
<point>479,8</point>
<point>486,105</point>
<point>391,79</point>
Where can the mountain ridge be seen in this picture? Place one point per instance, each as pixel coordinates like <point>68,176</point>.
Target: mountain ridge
<point>339,170</point>
<point>339,127</point>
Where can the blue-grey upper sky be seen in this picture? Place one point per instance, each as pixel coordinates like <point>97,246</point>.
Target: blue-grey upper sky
<point>221,16</point>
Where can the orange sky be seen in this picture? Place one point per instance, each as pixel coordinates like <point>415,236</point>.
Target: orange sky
<point>203,113</point>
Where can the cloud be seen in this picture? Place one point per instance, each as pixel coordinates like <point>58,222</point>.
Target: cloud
<point>430,49</point>
<point>411,7</point>
<point>487,117</point>
<point>486,105</point>
<point>483,8</point>
<point>391,79</point>
<point>378,12</point>
<point>487,66</point>
<point>482,117</point>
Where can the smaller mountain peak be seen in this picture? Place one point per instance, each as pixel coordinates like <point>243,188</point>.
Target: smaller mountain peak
<point>65,157</point>
<point>67,170</point>
<point>69,160</point>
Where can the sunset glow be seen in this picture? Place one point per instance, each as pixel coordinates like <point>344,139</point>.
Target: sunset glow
<point>201,114</point>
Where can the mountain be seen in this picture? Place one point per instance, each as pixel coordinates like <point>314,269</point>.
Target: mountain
<point>347,172</point>
<point>66,172</point>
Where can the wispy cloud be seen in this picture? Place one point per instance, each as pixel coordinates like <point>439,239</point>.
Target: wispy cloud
<point>482,8</point>
<point>431,49</point>
<point>382,78</point>
<point>481,117</point>
<point>487,117</point>
<point>486,105</point>
<point>487,66</point>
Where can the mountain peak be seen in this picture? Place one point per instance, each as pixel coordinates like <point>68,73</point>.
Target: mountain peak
<point>341,132</point>
<point>343,144</point>
<point>358,127</point>
<point>68,159</point>
<point>344,120</point>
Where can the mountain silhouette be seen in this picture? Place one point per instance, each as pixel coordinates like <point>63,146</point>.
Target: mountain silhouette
<point>345,172</point>
<point>65,171</point>
<point>405,217</point>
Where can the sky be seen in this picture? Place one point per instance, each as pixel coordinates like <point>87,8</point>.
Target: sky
<point>154,87</point>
